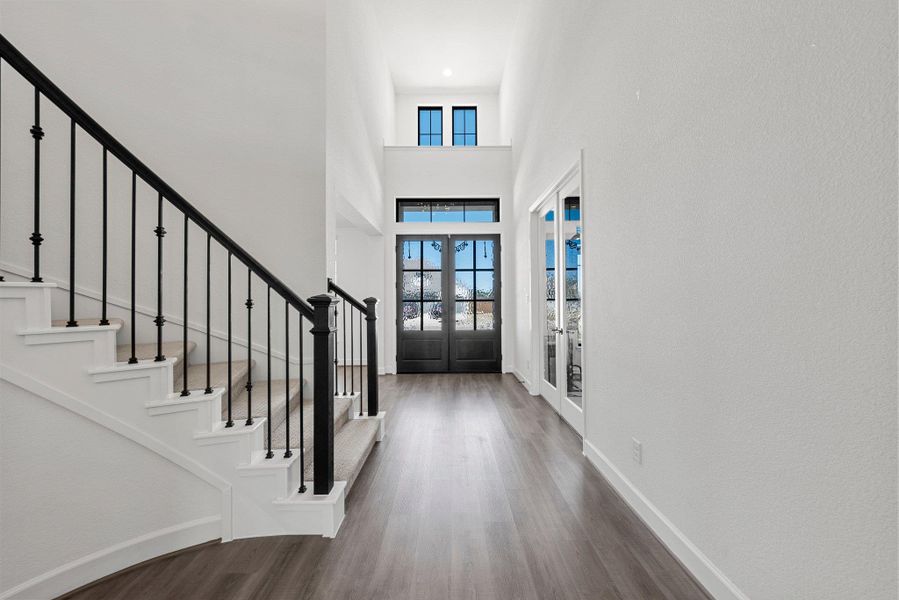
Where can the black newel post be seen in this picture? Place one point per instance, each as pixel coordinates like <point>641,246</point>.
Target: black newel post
<point>371,318</point>
<point>323,325</point>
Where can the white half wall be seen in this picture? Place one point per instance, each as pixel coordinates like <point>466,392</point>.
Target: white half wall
<point>486,101</point>
<point>740,243</point>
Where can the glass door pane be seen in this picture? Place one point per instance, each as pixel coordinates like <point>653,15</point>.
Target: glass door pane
<point>573,288</point>
<point>549,286</point>
<point>421,304</point>
<point>475,337</point>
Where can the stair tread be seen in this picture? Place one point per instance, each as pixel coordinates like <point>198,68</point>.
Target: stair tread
<point>341,405</point>
<point>148,351</point>
<point>353,439</point>
<point>260,401</point>
<point>88,321</point>
<point>352,445</point>
<point>196,375</point>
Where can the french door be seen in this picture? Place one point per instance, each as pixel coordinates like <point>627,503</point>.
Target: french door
<point>448,304</point>
<point>560,291</point>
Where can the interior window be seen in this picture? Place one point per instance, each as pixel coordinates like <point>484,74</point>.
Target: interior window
<point>448,211</point>
<point>430,126</point>
<point>465,126</point>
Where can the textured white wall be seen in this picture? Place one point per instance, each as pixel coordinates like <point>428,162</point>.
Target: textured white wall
<point>71,488</point>
<point>741,247</point>
<point>407,104</point>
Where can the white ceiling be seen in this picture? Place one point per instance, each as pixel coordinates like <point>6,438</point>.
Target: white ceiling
<point>424,37</point>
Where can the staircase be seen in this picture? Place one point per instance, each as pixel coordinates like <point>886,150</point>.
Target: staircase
<point>93,370</point>
<point>278,436</point>
<point>354,437</point>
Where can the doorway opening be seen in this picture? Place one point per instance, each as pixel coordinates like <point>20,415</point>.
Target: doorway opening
<point>448,303</point>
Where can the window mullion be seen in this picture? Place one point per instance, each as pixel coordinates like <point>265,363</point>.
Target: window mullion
<point>474,279</point>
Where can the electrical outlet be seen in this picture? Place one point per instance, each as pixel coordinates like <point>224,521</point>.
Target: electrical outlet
<point>637,450</point>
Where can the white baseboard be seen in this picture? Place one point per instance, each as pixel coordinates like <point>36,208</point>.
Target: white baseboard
<point>693,559</point>
<point>521,378</point>
<point>99,564</point>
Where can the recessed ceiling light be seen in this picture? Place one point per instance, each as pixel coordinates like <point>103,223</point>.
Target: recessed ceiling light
<point>447,72</point>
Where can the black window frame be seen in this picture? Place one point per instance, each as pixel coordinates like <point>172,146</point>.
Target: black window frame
<point>464,202</point>
<point>429,134</point>
<point>463,134</point>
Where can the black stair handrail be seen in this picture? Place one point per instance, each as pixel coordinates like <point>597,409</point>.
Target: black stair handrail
<point>49,90</point>
<point>367,310</point>
<point>333,287</point>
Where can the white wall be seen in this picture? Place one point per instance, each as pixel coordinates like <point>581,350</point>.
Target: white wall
<point>483,172</point>
<point>77,497</point>
<point>487,102</point>
<point>225,101</point>
<point>360,271</point>
<point>360,117</point>
<point>360,113</point>
<point>741,253</point>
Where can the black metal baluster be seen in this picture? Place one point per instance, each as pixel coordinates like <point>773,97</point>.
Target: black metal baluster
<point>287,452</point>
<point>249,386</point>
<point>361,384</point>
<point>1,137</point>
<point>344,345</point>
<point>334,350</point>
<point>103,319</point>
<point>72,322</point>
<point>184,390</point>
<point>351,366</point>
<point>159,320</point>
<point>37,133</point>
<point>208,317</point>
<point>302,409</point>
<point>230,421</point>
<point>133,359</point>
<point>268,327</point>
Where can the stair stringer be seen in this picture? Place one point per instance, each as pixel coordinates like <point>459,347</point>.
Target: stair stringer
<point>135,401</point>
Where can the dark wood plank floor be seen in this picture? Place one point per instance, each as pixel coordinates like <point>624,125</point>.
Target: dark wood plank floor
<point>478,491</point>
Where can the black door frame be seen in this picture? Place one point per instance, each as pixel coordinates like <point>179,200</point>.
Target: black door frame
<point>447,335</point>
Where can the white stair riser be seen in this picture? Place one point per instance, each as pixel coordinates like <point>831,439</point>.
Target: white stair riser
<point>34,304</point>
